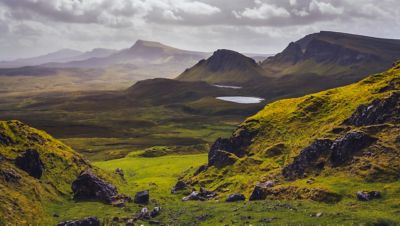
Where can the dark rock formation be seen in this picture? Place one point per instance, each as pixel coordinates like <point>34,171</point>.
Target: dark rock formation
<point>219,152</point>
<point>308,159</point>
<point>10,175</point>
<point>200,196</point>
<point>155,212</point>
<point>201,169</point>
<point>179,186</point>
<point>30,162</point>
<point>259,191</point>
<point>235,198</point>
<point>275,150</point>
<point>368,195</point>
<point>89,221</point>
<point>142,197</point>
<point>379,111</point>
<point>89,186</point>
<point>5,140</point>
<point>344,148</point>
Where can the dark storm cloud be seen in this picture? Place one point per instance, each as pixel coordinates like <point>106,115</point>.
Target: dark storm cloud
<point>246,25</point>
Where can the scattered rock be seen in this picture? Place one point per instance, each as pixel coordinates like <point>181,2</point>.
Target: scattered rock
<point>130,222</point>
<point>120,200</point>
<point>179,186</point>
<point>30,162</point>
<point>201,196</point>
<point>144,214</point>
<point>155,212</point>
<point>345,147</point>
<point>368,195</point>
<point>379,111</point>
<point>201,169</point>
<point>142,197</point>
<point>316,214</point>
<point>89,186</point>
<point>120,172</point>
<point>259,191</point>
<point>10,175</point>
<point>235,198</point>
<point>89,221</point>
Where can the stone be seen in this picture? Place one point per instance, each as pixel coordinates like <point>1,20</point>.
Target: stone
<point>142,197</point>
<point>259,192</point>
<point>155,212</point>
<point>5,140</point>
<point>10,175</point>
<point>120,200</point>
<point>345,147</point>
<point>235,198</point>
<point>222,158</point>
<point>89,221</point>
<point>201,169</point>
<point>89,186</point>
<point>378,112</point>
<point>200,196</point>
<point>144,214</point>
<point>368,195</point>
<point>179,186</point>
<point>31,163</point>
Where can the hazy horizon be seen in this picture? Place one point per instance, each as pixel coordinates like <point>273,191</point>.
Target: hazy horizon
<point>32,28</point>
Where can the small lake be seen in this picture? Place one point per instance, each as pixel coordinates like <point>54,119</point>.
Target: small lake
<point>227,87</point>
<point>241,99</point>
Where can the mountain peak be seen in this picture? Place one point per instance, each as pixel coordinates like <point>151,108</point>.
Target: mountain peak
<point>226,60</point>
<point>144,43</point>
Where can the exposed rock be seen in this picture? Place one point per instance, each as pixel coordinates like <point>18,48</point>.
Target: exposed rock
<point>379,111</point>
<point>89,221</point>
<point>259,191</point>
<point>179,186</point>
<point>120,200</point>
<point>235,198</point>
<point>155,212</point>
<point>201,169</point>
<point>344,148</point>
<point>222,158</point>
<point>5,140</point>
<point>308,159</point>
<point>89,186</point>
<point>200,196</point>
<point>30,162</point>
<point>368,195</point>
<point>275,150</point>
<point>144,214</point>
<point>10,175</point>
<point>120,172</point>
<point>142,197</point>
<point>36,138</point>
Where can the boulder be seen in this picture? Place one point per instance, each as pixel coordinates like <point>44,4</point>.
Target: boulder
<point>343,149</point>
<point>200,196</point>
<point>379,111</point>
<point>144,214</point>
<point>179,186</point>
<point>31,163</point>
<point>155,212</point>
<point>142,197</point>
<point>89,186</point>
<point>120,200</point>
<point>308,159</point>
<point>368,195</point>
<point>259,192</point>
<point>235,198</point>
<point>89,221</point>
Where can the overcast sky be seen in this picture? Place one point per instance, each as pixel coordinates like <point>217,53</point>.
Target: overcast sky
<point>33,27</point>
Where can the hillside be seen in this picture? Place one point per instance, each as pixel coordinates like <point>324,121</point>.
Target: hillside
<point>324,146</point>
<point>224,67</point>
<point>35,170</point>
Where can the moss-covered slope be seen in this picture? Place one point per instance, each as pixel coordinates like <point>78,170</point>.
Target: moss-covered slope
<point>284,142</point>
<point>24,197</point>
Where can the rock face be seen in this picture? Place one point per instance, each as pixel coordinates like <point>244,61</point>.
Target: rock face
<point>89,186</point>
<point>89,221</point>
<point>344,148</point>
<point>368,195</point>
<point>321,152</point>
<point>142,197</point>
<point>235,198</point>
<point>224,151</point>
<point>30,162</point>
<point>379,111</point>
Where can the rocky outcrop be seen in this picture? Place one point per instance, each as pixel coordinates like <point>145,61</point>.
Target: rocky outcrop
<point>308,159</point>
<point>179,186</point>
<point>368,195</point>
<point>335,153</point>
<point>224,151</point>
<point>10,175</point>
<point>378,112</point>
<point>235,198</point>
<point>259,191</point>
<point>200,196</point>
<point>89,186</point>
<point>344,148</point>
<point>31,163</point>
<point>5,140</point>
<point>201,169</point>
<point>89,221</point>
<point>142,197</point>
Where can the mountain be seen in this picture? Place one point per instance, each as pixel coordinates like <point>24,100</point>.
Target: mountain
<point>142,53</point>
<point>225,67</point>
<point>323,147</point>
<point>58,56</point>
<point>348,56</point>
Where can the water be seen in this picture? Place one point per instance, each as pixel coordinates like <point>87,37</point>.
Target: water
<point>228,87</point>
<point>241,99</point>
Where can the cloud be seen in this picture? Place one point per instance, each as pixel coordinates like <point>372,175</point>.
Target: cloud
<point>262,11</point>
<point>325,8</point>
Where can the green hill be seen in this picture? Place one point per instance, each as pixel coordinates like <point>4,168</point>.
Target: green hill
<point>324,146</point>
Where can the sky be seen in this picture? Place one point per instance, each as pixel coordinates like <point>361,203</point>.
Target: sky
<point>34,27</point>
